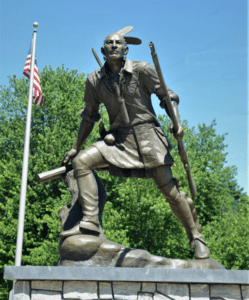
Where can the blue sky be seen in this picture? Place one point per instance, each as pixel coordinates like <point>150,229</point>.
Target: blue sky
<point>201,44</point>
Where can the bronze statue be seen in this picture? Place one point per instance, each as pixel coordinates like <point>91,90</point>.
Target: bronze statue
<point>135,145</point>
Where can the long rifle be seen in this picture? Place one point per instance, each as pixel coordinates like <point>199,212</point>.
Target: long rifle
<point>181,148</point>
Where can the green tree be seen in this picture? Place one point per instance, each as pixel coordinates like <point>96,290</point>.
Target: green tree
<point>136,214</point>
<point>228,237</point>
<point>53,130</point>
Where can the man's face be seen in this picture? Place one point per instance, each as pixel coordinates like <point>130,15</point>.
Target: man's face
<point>114,47</point>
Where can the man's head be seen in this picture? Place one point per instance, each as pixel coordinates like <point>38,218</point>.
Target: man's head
<point>114,47</point>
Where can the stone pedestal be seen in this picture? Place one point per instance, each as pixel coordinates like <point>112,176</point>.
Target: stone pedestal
<point>126,283</point>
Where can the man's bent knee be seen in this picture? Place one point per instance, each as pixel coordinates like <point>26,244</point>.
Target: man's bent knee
<point>87,160</point>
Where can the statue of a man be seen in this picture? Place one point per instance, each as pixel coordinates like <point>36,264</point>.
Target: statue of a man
<point>135,145</point>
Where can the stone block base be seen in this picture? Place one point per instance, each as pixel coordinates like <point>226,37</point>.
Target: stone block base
<point>126,284</point>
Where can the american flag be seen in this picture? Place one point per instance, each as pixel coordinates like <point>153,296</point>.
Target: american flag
<point>37,92</point>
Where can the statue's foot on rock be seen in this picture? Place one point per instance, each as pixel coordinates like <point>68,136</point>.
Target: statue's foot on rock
<point>74,231</point>
<point>89,226</point>
<point>200,248</point>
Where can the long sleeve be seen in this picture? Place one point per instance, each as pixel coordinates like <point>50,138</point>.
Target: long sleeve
<point>90,113</point>
<point>151,81</point>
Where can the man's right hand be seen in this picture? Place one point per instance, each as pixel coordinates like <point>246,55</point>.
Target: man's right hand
<point>179,133</point>
<point>69,155</point>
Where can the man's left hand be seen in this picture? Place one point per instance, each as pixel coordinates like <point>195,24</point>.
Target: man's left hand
<point>179,133</point>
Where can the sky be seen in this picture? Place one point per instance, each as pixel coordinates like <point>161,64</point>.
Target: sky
<point>201,45</point>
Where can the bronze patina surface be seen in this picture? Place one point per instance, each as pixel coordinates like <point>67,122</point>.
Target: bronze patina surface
<point>89,249</point>
<point>135,146</point>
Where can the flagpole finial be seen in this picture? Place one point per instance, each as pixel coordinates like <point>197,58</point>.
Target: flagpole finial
<point>35,24</point>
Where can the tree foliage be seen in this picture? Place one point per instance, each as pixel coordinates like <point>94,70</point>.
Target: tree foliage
<point>136,214</point>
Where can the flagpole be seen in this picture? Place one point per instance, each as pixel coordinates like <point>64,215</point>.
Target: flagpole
<point>19,241</point>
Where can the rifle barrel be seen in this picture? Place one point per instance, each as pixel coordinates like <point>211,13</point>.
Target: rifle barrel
<point>97,58</point>
<point>163,85</point>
